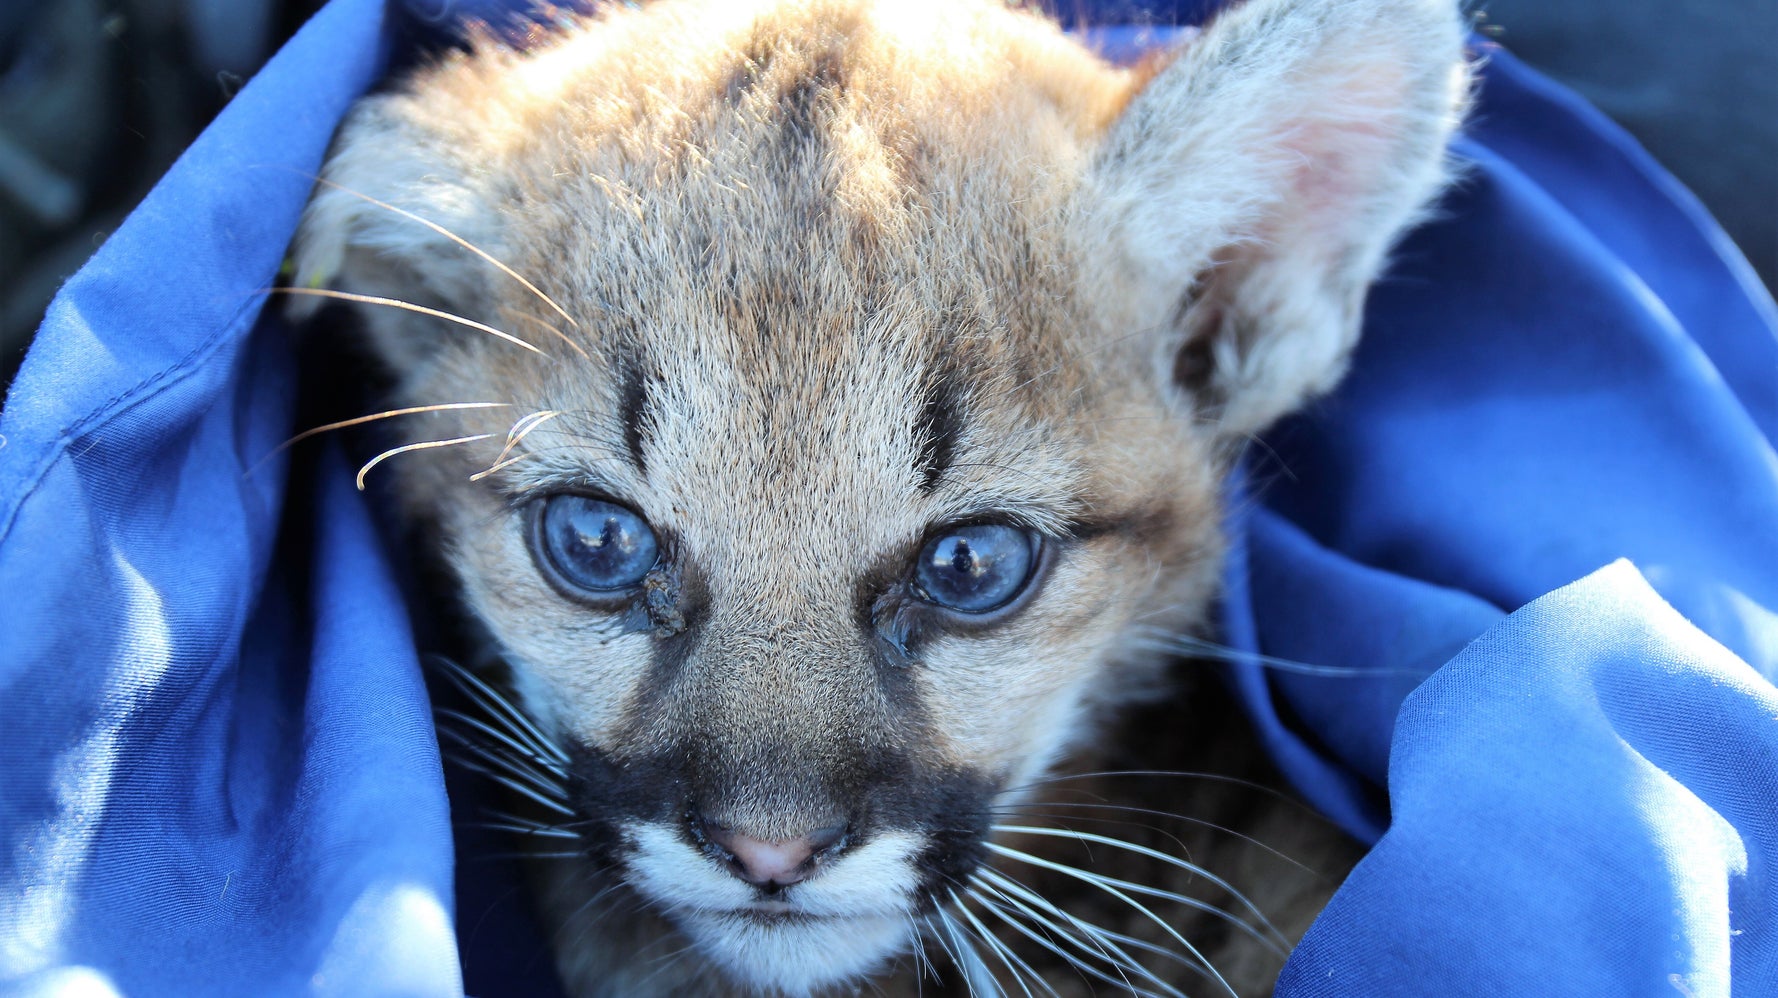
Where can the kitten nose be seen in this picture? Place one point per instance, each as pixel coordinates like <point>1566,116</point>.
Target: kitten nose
<point>772,863</point>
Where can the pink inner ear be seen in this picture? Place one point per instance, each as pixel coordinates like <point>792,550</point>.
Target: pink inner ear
<point>1344,145</point>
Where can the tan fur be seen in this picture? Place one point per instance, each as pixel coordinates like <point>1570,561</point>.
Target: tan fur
<point>790,228</point>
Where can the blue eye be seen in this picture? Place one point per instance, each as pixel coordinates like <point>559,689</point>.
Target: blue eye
<point>595,545</point>
<point>976,568</point>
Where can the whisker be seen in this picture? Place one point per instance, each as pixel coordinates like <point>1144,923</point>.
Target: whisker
<point>1116,940</point>
<point>498,770</point>
<point>459,240</point>
<point>551,328</point>
<point>1275,942</point>
<point>405,448</point>
<point>1073,961</point>
<point>972,967</point>
<point>1272,792</point>
<point>502,737</point>
<point>1106,884</point>
<point>1185,644</point>
<point>922,963</point>
<point>665,962</point>
<point>520,430</point>
<point>628,903</point>
<point>473,757</point>
<point>525,828</point>
<point>515,785</point>
<point>951,954</point>
<point>519,765</point>
<point>1098,938</point>
<point>373,417</point>
<point>1008,958</point>
<point>491,700</point>
<point>1129,809</point>
<point>495,814</point>
<point>502,466</point>
<point>406,306</point>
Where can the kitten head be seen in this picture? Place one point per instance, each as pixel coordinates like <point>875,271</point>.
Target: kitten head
<point>864,377</point>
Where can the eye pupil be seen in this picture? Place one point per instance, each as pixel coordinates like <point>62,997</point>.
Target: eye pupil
<point>595,545</point>
<point>976,568</point>
<point>964,559</point>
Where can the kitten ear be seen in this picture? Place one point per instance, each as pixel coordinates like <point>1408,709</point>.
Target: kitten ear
<point>1250,190</point>
<point>389,218</point>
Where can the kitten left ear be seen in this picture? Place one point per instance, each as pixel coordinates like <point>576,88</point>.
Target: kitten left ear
<point>1250,191</point>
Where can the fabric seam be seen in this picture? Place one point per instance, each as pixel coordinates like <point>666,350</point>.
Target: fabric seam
<point>118,404</point>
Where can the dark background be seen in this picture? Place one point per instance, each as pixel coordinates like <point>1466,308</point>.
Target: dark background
<point>97,97</point>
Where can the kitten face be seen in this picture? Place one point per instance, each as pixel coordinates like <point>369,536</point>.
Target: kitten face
<point>873,380</point>
<point>800,442</point>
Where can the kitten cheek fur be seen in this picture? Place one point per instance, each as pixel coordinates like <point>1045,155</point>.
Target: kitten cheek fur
<point>801,282</point>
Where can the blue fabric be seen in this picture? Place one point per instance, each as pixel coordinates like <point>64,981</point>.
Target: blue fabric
<point>217,774</point>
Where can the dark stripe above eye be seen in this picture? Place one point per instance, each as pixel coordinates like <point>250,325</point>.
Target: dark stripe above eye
<point>632,410</point>
<point>937,425</point>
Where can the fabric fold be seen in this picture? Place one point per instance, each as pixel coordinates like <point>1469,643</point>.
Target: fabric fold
<point>1582,805</point>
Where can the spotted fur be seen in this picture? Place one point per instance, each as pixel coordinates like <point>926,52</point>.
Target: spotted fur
<point>810,280</point>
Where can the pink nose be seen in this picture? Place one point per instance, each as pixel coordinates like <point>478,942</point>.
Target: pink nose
<point>778,863</point>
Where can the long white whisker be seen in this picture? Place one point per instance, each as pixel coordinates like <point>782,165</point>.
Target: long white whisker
<point>1028,808</point>
<point>518,787</point>
<point>529,831</point>
<point>503,738</point>
<point>460,241</point>
<point>551,328</point>
<point>1105,884</point>
<point>406,306</point>
<point>373,417</point>
<point>1160,640</point>
<point>1007,957</point>
<point>530,855</point>
<point>520,430</point>
<point>1100,941</point>
<point>1272,792</point>
<point>405,448</point>
<point>495,469</point>
<point>975,970</point>
<point>517,767</point>
<point>500,768</point>
<point>955,957</point>
<point>505,769</point>
<point>922,963</point>
<point>1276,942</point>
<point>1073,961</point>
<point>1111,938</point>
<point>476,689</point>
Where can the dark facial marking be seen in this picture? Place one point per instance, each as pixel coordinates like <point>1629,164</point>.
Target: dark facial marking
<point>937,427</point>
<point>806,98</point>
<point>632,409</point>
<point>955,817</point>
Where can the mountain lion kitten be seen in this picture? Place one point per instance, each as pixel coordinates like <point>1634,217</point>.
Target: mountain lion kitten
<point>821,407</point>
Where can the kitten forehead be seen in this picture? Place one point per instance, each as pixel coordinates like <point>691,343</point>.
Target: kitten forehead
<point>785,276</point>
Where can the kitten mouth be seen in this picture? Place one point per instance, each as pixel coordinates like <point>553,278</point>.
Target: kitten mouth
<point>774,911</point>
<point>771,908</point>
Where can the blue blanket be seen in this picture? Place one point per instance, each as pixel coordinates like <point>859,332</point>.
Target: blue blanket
<point>1525,561</point>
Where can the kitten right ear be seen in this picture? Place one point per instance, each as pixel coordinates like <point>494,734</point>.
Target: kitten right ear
<point>1250,190</point>
<point>389,218</point>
